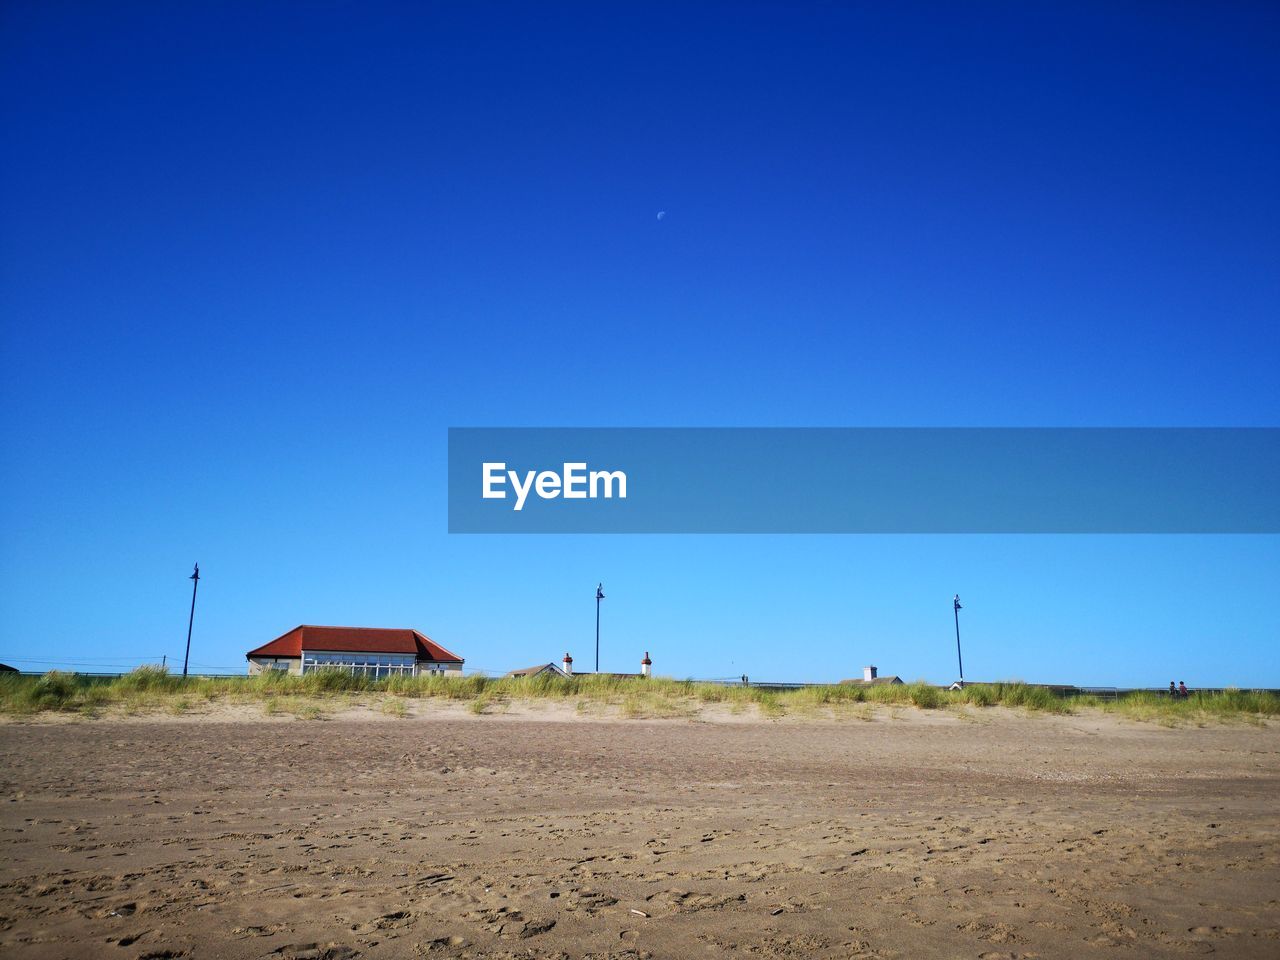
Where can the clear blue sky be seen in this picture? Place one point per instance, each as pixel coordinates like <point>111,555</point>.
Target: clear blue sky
<point>256,259</point>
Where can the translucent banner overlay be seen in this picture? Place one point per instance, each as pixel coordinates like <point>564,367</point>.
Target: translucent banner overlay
<point>864,480</point>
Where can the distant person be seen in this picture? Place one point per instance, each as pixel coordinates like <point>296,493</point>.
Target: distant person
<point>1182,689</point>
<point>1173,691</point>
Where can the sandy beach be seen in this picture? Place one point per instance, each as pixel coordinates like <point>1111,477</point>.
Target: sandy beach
<point>540,833</point>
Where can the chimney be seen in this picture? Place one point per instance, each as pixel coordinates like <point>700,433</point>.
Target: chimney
<point>568,665</point>
<point>645,665</point>
<point>868,674</point>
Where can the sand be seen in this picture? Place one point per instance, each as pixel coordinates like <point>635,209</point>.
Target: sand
<point>539,833</point>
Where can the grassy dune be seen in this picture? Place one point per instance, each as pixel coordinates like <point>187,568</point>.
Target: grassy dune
<point>151,689</point>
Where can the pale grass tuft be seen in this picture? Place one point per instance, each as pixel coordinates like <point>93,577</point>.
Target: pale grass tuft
<point>151,689</point>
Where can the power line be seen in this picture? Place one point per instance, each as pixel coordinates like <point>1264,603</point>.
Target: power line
<point>99,663</point>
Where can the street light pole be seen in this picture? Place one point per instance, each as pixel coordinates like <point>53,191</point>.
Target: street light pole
<point>956,603</point>
<point>599,597</point>
<point>195,584</point>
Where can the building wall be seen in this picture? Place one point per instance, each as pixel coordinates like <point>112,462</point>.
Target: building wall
<point>448,669</point>
<point>293,665</point>
<point>259,665</point>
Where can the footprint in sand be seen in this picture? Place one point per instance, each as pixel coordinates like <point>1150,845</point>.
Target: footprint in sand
<point>266,931</point>
<point>686,902</point>
<point>444,943</point>
<point>1214,931</point>
<point>316,951</point>
<point>388,921</point>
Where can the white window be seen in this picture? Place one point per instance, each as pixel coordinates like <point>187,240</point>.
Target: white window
<point>376,665</point>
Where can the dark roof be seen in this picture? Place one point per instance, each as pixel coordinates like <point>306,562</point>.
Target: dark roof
<point>354,640</point>
<point>5,668</point>
<point>534,671</point>
<point>877,682</point>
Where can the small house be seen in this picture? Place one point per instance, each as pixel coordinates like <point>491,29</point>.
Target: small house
<point>566,669</point>
<point>871,678</point>
<point>542,669</point>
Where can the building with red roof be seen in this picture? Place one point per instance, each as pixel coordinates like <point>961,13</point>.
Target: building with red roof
<point>373,651</point>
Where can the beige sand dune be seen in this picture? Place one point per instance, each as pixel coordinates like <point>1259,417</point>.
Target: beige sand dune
<point>538,834</point>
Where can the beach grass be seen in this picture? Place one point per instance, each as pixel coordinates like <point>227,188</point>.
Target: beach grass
<point>152,689</point>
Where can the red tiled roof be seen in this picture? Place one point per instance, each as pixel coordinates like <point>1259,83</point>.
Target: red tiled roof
<point>354,640</point>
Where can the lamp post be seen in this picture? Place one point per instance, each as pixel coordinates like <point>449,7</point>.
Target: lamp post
<point>956,604</point>
<point>195,584</point>
<point>599,597</point>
